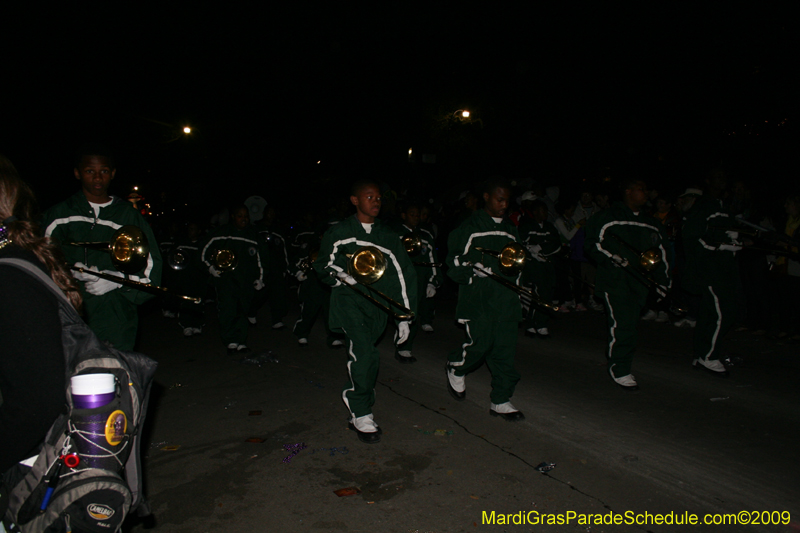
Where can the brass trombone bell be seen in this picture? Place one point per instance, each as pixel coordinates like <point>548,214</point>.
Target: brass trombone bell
<point>650,259</point>
<point>128,247</point>
<point>177,260</point>
<point>367,265</point>
<point>224,260</point>
<point>511,258</point>
<point>413,244</point>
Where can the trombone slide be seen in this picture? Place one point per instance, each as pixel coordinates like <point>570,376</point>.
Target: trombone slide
<point>154,289</point>
<point>522,291</point>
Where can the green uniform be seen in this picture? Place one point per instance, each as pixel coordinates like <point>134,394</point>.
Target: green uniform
<point>622,288</point>
<point>275,287</point>
<point>489,310</point>
<point>313,295</point>
<point>113,316</point>
<point>362,322</point>
<point>543,242</point>
<point>710,273</point>
<point>191,281</point>
<point>235,289</point>
<point>426,275</point>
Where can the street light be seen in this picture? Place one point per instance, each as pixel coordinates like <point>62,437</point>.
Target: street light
<point>187,130</point>
<point>461,114</point>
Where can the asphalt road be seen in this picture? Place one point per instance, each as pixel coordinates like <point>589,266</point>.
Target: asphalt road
<point>232,446</point>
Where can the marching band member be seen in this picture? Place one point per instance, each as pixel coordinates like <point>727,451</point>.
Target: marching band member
<point>489,311</point>
<point>92,215</point>
<point>429,277</point>
<point>354,316</point>
<point>611,237</point>
<point>236,284</point>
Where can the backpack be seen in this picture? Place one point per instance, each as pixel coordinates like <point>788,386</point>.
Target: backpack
<point>105,485</point>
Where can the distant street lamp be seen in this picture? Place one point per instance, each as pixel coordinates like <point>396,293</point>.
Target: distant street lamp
<point>461,114</point>
<point>187,130</point>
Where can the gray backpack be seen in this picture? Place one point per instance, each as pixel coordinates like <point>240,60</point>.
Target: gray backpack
<point>78,482</point>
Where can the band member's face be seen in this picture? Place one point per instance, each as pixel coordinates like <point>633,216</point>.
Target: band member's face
<point>636,195</point>
<point>540,214</point>
<point>497,202</point>
<point>241,218</point>
<point>411,217</point>
<point>95,174</point>
<point>368,203</point>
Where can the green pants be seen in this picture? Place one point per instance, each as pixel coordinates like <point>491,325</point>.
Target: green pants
<point>496,344</point>
<point>541,279</point>
<point>234,298</point>
<point>363,325</point>
<point>426,309</point>
<point>715,317</point>
<point>275,293</point>
<point>623,311</point>
<point>113,318</point>
<point>315,301</point>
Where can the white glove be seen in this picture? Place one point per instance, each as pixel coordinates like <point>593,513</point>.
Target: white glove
<point>82,276</point>
<point>619,261</point>
<point>344,277</point>
<point>101,286</point>
<point>430,292</point>
<point>734,235</point>
<point>214,272</point>
<point>258,284</point>
<point>730,247</point>
<point>482,271</point>
<point>534,249</point>
<point>301,276</point>
<point>403,330</point>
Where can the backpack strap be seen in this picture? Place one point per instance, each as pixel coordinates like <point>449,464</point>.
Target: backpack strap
<point>36,272</point>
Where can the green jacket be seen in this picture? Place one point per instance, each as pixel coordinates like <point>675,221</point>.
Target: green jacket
<point>544,236</point>
<point>618,231</point>
<point>398,282</point>
<point>482,298</point>
<point>275,238</point>
<point>426,274</point>
<point>73,220</point>
<point>251,252</point>
<point>704,229</point>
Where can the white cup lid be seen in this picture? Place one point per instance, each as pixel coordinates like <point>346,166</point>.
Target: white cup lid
<point>87,384</point>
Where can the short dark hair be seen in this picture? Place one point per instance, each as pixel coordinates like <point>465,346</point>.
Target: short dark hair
<point>362,184</point>
<point>496,182</point>
<point>96,149</point>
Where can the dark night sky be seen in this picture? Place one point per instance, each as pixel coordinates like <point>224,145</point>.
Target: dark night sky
<point>270,91</point>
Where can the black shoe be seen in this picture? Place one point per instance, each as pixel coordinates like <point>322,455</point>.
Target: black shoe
<point>367,438</point>
<point>405,360</point>
<point>460,396</point>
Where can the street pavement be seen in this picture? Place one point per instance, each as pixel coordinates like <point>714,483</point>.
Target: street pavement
<point>235,446</point>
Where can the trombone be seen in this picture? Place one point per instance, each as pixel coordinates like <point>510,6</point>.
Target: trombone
<point>413,245</point>
<point>129,250</point>
<point>367,265</point>
<point>648,261</point>
<point>512,260</point>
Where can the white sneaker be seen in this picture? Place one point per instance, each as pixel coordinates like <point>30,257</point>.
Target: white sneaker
<point>233,346</point>
<point>650,315</point>
<point>503,408</point>
<point>543,332</point>
<point>241,348</point>
<point>196,331</point>
<point>685,322</point>
<point>365,424</point>
<point>506,411</point>
<point>532,331</point>
<point>337,342</point>
<point>427,328</point>
<point>188,332</point>
<point>662,317</point>
<point>277,325</point>
<point>713,365</point>
<point>458,383</point>
<point>595,305</point>
<point>252,320</point>
<point>168,314</point>
<point>302,341</point>
<point>626,382</point>
<point>404,353</point>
